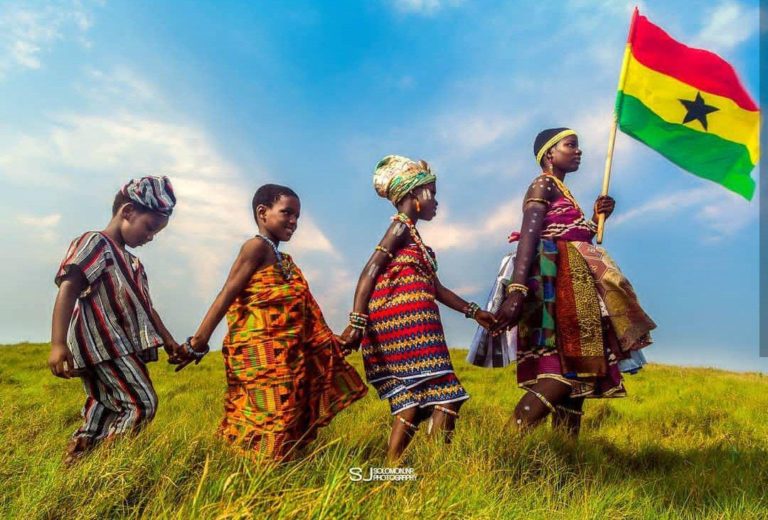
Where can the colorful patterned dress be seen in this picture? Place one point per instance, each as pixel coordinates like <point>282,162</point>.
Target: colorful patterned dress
<point>581,321</point>
<point>286,375</point>
<point>404,351</point>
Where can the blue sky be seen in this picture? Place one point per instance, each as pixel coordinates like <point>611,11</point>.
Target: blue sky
<point>224,96</point>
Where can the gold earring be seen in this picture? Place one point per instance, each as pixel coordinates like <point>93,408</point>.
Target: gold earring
<point>418,206</point>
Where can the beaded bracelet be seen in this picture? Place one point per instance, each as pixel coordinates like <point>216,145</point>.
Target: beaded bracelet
<point>384,250</point>
<point>536,199</point>
<point>517,287</point>
<point>188,351</point>
<point>358,320</point>
<point>470,311</point>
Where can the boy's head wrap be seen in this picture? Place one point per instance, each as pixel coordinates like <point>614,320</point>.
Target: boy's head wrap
<point>547,139</point>
<point>154,193</point>
<point>396,175</point>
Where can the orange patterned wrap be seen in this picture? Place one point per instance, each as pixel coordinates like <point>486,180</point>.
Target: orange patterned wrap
<point>286,375</point>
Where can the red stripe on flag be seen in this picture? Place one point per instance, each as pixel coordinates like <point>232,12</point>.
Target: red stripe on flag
<point>701,69</point>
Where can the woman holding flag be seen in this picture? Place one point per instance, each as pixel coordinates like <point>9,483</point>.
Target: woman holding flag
<point>579,324</point>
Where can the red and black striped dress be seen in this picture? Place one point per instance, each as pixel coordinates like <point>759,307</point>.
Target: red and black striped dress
<point>404,351</point>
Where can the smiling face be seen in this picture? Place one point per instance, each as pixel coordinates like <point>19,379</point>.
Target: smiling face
<point>566,154</point>
<point>139,227</point>
<point>279,221</point>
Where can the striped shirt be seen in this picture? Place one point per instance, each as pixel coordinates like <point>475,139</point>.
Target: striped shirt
<point>113,315</point>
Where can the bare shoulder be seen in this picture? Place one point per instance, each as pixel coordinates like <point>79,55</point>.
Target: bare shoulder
<point>542,188</point>
<point>395,236</point>
<point>543,181</point>
<point>254,251</point>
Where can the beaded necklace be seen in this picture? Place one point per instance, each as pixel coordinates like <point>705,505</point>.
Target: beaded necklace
<point>565,191</point>
<point>403,218</point>
<point>281,261</point>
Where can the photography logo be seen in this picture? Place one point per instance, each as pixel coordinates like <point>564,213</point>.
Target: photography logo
<point>381,474</point>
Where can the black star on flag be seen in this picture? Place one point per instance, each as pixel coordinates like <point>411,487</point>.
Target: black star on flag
<point>697,110</point>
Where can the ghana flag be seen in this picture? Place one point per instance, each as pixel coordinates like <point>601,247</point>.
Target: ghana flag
<point>688,105</point>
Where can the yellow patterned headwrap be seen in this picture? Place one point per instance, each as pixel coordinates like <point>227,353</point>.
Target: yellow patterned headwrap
<point>396,175</point>
<point>549,138</point>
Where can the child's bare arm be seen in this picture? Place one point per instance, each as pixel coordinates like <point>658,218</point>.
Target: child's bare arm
<point>60,360</point>
<point>251,257</point>
<point>395,238</point>
<point>449,298</point>
<point>452,300</point>
<point>169,343</point>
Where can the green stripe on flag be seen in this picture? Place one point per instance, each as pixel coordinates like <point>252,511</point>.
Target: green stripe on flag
<point>706,155</point>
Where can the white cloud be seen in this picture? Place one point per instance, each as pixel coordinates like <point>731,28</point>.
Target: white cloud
<point>720,212</point>
<point>728,24</point>
<point>468,290</point>
<point>44,227</point>
<point>666,203</point>
<point>26,33</point>
<point>120,83</point>
<point>726,214</point>
<point>472,132</point>
<point>333,286</point>
<point>104,148</point>
<point>424,7</point>
<point>443,234</point>
<point>213,211</point>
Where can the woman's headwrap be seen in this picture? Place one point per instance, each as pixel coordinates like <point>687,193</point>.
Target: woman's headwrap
<point>547,139</point>
<point>154,193</point>
<point>396,175</point>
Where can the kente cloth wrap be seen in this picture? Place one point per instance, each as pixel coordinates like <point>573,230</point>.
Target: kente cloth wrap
<point>396,175</point>
<point>286,375</point>
<point>154,193</point>
<point>404,351</point>
<point>581,322</point>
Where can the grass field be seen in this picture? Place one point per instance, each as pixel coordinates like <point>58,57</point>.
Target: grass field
<point>686,443</point>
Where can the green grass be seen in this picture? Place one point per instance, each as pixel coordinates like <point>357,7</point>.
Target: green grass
<point>686,443</point>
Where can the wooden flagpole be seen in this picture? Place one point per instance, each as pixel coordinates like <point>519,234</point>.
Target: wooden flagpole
<point>607,177</point>
<point>614,126</point>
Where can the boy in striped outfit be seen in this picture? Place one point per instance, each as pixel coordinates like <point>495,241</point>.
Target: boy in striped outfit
<point>105,327</point>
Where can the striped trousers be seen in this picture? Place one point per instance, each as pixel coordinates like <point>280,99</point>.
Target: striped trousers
<point>120,398</point>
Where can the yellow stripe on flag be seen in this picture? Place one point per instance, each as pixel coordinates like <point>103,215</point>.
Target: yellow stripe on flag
<point>662,94</point>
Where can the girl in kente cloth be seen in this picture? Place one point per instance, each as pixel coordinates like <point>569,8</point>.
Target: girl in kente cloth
<point>286,374</point>
<point>396,317</point>
<point>105,327</point>
<point>579,324</point>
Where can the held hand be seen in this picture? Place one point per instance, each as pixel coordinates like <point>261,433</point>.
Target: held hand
<point>192,350</point>
<point>343,347</point>
<point>485,319</point>
<point>605,205</point>
<point>174,351</point>
<point>351,337</point>
<point>60,361</point>
<point>509,313</point>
